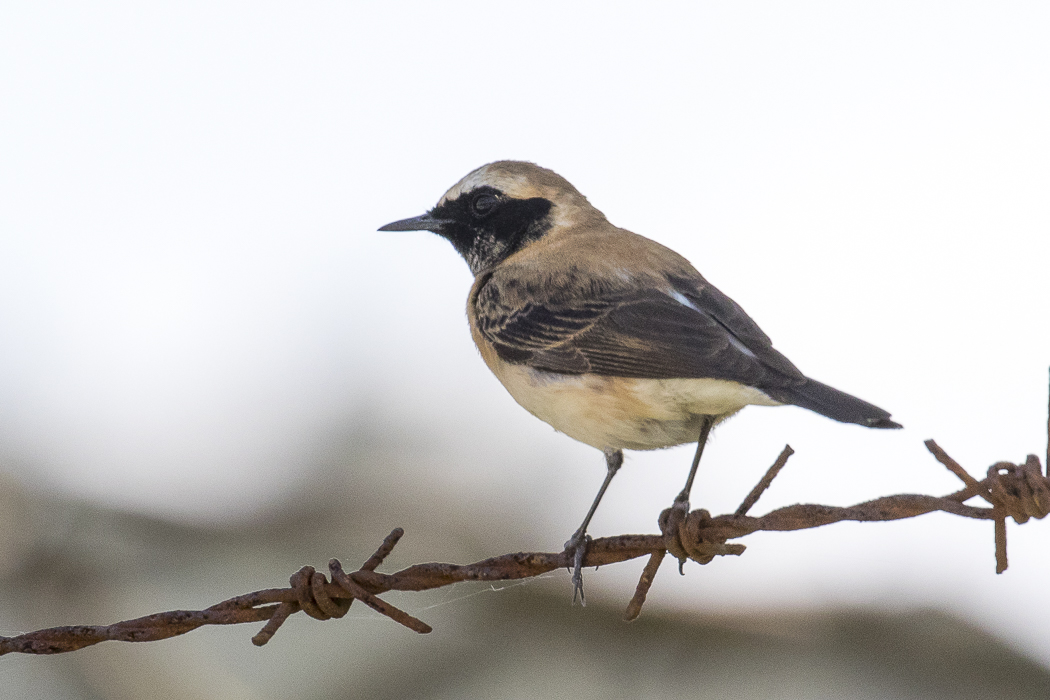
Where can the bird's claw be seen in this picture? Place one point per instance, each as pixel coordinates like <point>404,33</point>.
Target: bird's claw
<point>578,545</point>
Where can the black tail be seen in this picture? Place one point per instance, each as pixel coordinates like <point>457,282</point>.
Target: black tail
<point>835,404</point>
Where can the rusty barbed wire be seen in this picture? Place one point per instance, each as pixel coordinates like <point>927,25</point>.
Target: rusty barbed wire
<point>1013,491</point>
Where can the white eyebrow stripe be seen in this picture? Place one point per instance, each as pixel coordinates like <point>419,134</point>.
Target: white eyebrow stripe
<point>733,340</point>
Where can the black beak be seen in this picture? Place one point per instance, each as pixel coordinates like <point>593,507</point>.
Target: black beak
<point>417,223</point>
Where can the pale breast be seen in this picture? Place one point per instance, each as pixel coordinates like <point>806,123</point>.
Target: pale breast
<point>617,412</point>
<point>625,413</point>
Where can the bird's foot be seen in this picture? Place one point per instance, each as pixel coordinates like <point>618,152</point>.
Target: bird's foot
<point>577,546</point>
<point>670,522</point>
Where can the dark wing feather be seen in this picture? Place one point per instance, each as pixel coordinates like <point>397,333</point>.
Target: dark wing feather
<point>641,333</point>
<point>690,331</point>
<point>736,322</point>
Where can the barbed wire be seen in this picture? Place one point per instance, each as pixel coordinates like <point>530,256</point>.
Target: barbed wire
<point>1018,491</point>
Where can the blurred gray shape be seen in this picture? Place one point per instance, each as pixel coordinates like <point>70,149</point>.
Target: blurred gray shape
<point>72,563</point>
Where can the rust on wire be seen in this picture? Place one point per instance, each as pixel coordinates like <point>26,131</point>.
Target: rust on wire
<point>760,488</point>
<point>1017,491</point>
<point>322,599</point>
<point>634,608</point>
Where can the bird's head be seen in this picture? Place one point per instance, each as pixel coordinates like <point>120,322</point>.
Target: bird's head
<point>500,208</point>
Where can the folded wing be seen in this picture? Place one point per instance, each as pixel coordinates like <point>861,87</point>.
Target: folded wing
<point>688,330</point>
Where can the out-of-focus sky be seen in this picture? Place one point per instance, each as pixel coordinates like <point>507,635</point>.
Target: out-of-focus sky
<point>193,296</point>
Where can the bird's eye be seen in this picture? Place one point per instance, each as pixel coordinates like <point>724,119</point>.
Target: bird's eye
<point>484,203</point>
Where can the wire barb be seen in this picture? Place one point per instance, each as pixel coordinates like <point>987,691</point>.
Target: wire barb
<point>322,599</point>
<point>634,608</point>
<point>1014,491</point>
<point>1020,492</point>
<point>761,486</point>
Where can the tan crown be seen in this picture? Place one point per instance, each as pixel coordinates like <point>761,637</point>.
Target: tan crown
<point>524,180</point>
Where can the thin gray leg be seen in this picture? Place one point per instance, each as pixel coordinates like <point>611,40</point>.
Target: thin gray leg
<point>577,544</point>
<point>705,430</point>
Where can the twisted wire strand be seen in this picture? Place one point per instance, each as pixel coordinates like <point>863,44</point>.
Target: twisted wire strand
<point>1013,491</point>
<point>1021,492</point>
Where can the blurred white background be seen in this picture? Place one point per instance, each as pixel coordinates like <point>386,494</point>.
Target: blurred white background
<point>194,298</point>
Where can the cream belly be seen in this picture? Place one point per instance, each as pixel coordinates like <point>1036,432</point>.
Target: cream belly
<point>613,413</point>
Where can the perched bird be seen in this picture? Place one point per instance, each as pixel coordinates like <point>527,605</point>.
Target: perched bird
<point>608,336</point>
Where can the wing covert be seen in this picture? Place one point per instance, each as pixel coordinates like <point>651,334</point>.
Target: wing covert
<point>643,333</point>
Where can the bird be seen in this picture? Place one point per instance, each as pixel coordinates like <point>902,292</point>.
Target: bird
<point>608,336</point>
